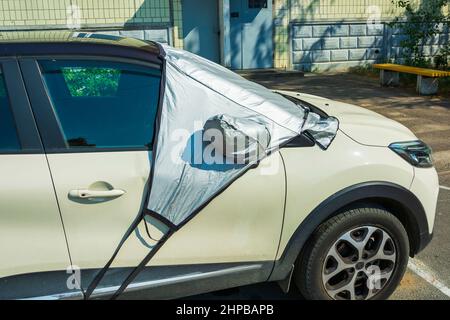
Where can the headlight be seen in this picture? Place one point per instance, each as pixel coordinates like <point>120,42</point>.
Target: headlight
<point>415,152</point>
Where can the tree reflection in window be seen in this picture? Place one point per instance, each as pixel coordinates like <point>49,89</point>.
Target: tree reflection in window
<point>91,82</point>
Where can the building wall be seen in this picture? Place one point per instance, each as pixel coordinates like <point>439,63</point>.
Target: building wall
<point>177,24</point>
<point>308,34</point>
<point>289,12</point>
<point>341,10</point>
<point>282,20</point>
<point>112,16</point>
<point>337,34</point>
<point>331,46</point>
<point>52,13</point>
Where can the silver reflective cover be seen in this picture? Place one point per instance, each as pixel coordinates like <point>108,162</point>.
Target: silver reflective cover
<point>214,125</point>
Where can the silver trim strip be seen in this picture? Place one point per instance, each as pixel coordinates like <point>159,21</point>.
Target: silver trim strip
<point>59,296</point>
<point>152,284</point>
<point>174,280</point>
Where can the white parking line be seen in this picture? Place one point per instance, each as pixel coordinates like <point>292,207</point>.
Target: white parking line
<point>444,187</point>
<point>428,275</point>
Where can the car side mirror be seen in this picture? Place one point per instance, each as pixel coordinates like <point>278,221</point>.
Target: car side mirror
<point>239,140</point>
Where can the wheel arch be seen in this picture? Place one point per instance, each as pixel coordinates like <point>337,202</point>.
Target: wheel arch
<point>394,198</point>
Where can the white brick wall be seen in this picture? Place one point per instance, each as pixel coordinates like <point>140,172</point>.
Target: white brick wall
<point>340,45</point>
<point>330,45</point>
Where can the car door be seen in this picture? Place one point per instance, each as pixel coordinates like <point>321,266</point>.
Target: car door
<point>34,255</point>
<point>97,119</point>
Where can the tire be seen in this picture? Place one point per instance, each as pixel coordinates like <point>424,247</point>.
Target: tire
<point>324,274</point>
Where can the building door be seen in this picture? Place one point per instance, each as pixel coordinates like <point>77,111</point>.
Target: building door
<point>201,30</point>
<point>251,34</point>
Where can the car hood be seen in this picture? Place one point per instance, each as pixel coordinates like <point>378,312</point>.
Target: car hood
<point>362,125</point>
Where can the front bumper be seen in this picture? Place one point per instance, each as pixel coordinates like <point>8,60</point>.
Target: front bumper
<point>425,187</point>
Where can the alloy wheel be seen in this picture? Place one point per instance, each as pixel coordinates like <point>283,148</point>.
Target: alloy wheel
<point>359,264</point>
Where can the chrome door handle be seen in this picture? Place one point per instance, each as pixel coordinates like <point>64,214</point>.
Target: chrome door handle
<point>94,194</point>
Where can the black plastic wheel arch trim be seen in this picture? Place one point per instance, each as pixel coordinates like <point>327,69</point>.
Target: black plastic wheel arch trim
<point>378,191</point>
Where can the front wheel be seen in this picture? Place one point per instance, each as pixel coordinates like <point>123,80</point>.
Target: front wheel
<point>359,254</point>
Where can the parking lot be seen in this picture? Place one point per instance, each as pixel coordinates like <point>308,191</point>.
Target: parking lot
<point>428,275</point>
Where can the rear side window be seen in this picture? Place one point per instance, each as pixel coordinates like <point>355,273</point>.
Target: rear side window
<point>103,104</point>
<point>9,140</point>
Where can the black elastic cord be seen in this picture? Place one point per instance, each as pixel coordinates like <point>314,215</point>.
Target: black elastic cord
<point>148,231</point>
<point>102,272</point>
<point>141,265</point>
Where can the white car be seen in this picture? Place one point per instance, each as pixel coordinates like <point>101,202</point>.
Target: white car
<point>338,223</point>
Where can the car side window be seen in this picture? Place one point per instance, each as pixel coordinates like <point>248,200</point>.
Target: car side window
<point>102,104</point>
<point>9,140</point>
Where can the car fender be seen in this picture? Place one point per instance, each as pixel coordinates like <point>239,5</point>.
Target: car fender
<point>386,193</point>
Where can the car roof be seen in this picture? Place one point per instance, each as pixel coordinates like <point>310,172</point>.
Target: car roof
<point>33,43</point>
